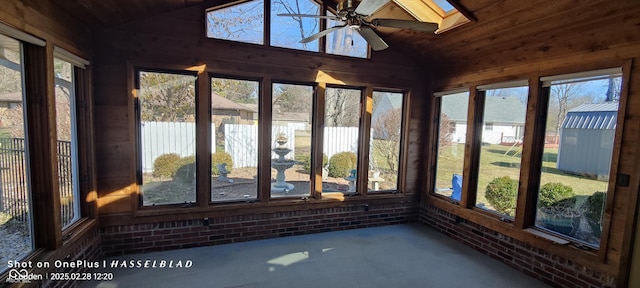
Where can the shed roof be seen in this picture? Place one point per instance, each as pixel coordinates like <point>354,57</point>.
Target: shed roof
<point>592,116</point>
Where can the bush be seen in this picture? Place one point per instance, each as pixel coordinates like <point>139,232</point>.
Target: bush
<point>552,193</point>
<point>165,165</point>
<point>219,158</point>
<point>502,194</point>
<point>341,164</point>
<point>186,172</point>
<point>594,207</point>
<point>306,162</point>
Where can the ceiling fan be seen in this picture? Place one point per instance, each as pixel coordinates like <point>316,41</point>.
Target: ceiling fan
<point>354,13</point>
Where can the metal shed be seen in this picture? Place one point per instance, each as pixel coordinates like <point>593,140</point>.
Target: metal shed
<point>586,139</point>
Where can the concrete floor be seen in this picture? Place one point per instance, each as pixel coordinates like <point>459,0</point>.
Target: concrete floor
<point>391,256</point>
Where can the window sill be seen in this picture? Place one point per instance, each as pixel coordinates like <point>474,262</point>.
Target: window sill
<point>542,235</point>
<point>145,215</point>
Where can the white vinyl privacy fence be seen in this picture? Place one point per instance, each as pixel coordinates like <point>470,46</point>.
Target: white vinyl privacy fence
<point>169,137</point>
<point>240,141</point>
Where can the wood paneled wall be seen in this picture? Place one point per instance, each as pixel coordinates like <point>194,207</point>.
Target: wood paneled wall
<point>176,40</point>
<point>568,38</point>
<point>53,25</point>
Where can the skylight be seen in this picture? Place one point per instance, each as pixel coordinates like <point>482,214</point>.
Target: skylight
<point>437,11</point>
<point>444,5</point>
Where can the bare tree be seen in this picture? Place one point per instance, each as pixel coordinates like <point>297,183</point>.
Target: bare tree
<point>239,91</point>
<point>166,97</point>
<point>342,107</point>
<point>242,21</point>
<point>388,127</point>
<point>445,135</point>
<point>292,98</point>
<point>11,118</point>
<point>562,95</point>
<point>294,7</point>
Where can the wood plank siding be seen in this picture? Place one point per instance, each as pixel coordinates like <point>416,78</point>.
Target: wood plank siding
<point>506,40</point>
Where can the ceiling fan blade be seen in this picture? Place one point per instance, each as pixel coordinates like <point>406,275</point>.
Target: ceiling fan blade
<point>372,38</point>
<point>406,24</point>
<point>310,16</point>
<point>367,7</point>
<point>322,33</point>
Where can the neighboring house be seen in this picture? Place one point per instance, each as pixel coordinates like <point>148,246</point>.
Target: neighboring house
<point>588,129</point>
<point>225,111</point>
<point>504,119</point>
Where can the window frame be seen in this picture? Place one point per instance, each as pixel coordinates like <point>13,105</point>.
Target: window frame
<point>404,119</point>
<point>313,183</point>
<point>263,201</point>
<point>38,81</point>
<point>479,130</point>
<point>538,150</point>
<point>523,226</point>
<point>137,120</point>
<point>266,38</point>
<point>75,171</point>
<point>437,112</point>
<point>208,137</point>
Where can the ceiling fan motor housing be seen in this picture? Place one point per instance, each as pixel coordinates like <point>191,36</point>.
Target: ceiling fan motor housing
<point>345,7</point>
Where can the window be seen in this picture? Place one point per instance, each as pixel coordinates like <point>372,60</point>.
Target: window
<point>386,136</point>
<point>234,117</point>
<point>452,131</point>
<point>15,205</point>
<point>345,41</point>
<point>242,22</point>
<point>292,112</point>
<point>437,11</point>
<point>505,107</point>
<point>245,22</point>
<point>488,126</point>
<point>66,141</point>
<point>167,137</point>
<point>341,138</point>
<point>578,148</point>
<point>287,31</point>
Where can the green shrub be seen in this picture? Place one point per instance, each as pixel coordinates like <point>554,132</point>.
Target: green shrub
<point>186,172</point>
<point>341,164</point>
<point>219,158</point>
<point>502,194</point>
<point>306,162</point>
<point>594,207</point>
<point>552,193</point>
<point>165,165</point>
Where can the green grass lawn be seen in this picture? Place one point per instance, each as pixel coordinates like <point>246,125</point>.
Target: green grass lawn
<point>494,163</point>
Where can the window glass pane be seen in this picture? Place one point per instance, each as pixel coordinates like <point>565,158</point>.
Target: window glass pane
<point>168,138</point>
<point>15,209</point>
<point>340,140</point>
<point>345,41</point>
<point>287,31</point>
<point>66,142</point>
<point>234,117</point>
<point>577,156</point>
<point>500,153</point>
<point>452,134</point>
<point>291,139</point>
<point>242,22</point>
<point>386,128</point>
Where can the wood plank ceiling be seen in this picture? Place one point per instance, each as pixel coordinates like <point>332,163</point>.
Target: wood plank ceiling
<point>502,24</point>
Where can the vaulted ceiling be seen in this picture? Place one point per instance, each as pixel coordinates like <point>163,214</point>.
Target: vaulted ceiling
<point>498,26</point>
